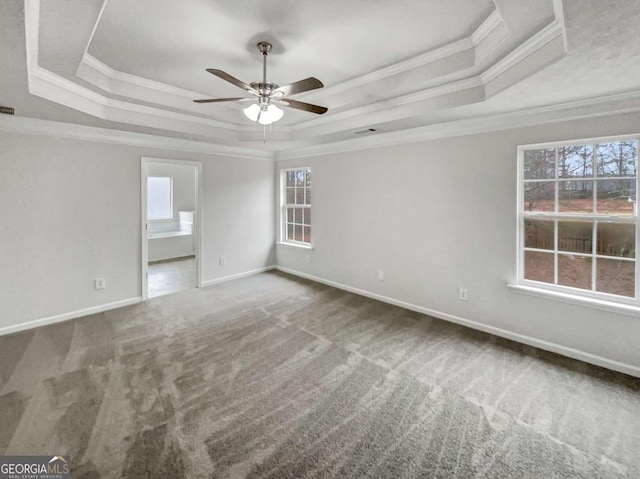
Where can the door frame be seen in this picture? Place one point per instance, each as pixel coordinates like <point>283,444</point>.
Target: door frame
<point>144,244</point>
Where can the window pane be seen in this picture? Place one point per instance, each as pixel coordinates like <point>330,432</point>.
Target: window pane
<point>617,239</point>
<point>619,158</point>
<point>299,196</point>
<point>539,196</point>
<point>291,196</point>
<point>575,161</point>
<point>539,164</point>
<point>290,232</point>
<point>576,236</point>
<point>538,266</point>
<point>574,271</point>
<point>291,178</point>
<point>159,198</point>
<point>298,233</point>
<point>616,197</point>
<point>307,234</point>
<point>307,196</point>
<point>615,277</point>
<point>300,177</point>
<point>308,178</point>
<point>538,234</point>
<point>575,196</point>
<point>307,216</point>
<point>298,216</point>
<point>289,215</point>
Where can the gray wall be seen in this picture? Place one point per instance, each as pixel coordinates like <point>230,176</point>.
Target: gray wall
<point>71,213</point>
<point>439,215</point>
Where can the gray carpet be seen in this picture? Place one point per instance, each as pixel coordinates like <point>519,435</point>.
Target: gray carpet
<point>275,377</point>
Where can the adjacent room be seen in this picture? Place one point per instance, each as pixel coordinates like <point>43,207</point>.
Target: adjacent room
<point>170,225</point>
<point>337,239</point>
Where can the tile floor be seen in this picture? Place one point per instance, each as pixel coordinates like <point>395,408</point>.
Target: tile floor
<point>171,276</point>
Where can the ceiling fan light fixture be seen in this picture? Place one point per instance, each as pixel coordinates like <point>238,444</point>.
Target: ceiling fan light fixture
<point>270,115</point>
<point>252,112</point>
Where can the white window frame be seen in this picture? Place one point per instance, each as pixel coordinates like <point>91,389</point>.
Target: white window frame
<point>284,205</point>
<point>569,294</point>
<point>169,218</point>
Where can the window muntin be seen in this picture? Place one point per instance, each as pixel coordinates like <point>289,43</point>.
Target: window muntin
<point>296,191</point>
<point>159,198</point>
<point>578,218</point>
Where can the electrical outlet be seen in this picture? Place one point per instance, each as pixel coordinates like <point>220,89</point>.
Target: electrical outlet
<point>381,275</point>
<point>100,283</point>
<point>307,258</point>
<point>463,294</point>
<point>223,260</point>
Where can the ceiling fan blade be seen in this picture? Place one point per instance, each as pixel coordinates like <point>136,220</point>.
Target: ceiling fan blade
<point>300,105</point>
<point>233,80</point>
<point>307,84</point>
<point>217,100</point>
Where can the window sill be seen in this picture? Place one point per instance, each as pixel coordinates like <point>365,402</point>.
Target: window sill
<point>168,234</point>
<point>295,245</point>
<point>593,303</point>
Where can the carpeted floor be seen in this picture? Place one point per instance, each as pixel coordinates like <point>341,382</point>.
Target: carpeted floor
<point>271,376</point>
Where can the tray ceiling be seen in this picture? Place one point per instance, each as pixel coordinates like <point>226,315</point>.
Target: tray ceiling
<point>391,65</point>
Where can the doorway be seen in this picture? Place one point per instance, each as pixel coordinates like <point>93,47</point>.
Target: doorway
<point>171,226</point>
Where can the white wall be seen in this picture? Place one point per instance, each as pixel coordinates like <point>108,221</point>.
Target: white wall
<point>440,215</point>
<point>71,213</point>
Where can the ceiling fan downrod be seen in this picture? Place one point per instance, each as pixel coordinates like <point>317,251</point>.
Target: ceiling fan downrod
<point>265,49</point>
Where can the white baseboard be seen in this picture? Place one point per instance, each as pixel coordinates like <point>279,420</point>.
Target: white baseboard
<point>210,282</point>
<point>67,316</point>
<point>503,333</point>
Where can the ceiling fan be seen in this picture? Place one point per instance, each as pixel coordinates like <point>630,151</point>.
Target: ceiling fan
<point>267,95</point>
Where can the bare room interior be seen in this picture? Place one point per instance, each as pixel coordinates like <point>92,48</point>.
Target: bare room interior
<point>334,239</point>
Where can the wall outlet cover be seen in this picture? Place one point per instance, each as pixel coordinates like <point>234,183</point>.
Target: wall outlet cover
<point>463,294</point>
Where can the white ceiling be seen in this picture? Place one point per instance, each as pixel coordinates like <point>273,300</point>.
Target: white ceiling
<point>397,65</point>
<point>334,40</point>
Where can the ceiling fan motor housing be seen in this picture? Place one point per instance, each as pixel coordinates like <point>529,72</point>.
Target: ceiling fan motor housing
<point>264,88</point>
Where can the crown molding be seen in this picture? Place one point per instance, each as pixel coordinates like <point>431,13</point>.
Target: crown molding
<point>491,23</point>
<point>524,50</point>
<point>386,110</point>
<point>112,74</point>
<point>113,81</point>
<point>380,111</point>
<point>627,102</point>
<point>51,86</point>
<point>36,126</point>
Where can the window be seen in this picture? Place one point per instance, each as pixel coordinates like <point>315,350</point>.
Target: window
<point>578,219</point>
<point>296,193</point>
<point>159,198</point>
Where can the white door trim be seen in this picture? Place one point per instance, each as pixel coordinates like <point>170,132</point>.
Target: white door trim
<point>144,246</point>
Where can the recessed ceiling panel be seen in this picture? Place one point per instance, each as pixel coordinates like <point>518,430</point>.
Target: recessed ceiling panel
<point>334,40</point>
